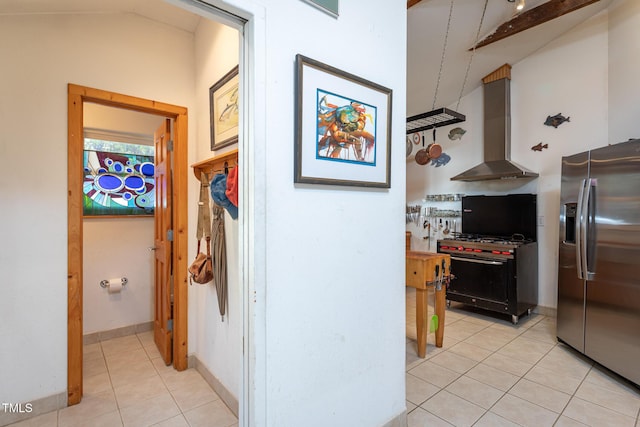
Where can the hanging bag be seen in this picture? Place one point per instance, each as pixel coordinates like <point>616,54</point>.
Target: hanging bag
<point>201,269</point>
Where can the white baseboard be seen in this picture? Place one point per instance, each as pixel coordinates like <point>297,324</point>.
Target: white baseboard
<point>399,421</point>
<point>546,311</point>
<point>227,397</point>
<point>117,333</point>
<point>26,410</point>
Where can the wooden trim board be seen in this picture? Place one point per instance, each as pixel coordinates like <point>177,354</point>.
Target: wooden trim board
<point>77,95</point>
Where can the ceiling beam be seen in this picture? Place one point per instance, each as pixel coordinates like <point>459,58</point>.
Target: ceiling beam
<point>412,3</point>
<point>532,17</point>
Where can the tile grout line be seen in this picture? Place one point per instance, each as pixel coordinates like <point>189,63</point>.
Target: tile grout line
<point>504,393</point>
<point>165,385</point>
<point>541,319</point>
<point>477,363</point>
<point>540,330</point>
<point>523,377</point>
<point>574,396</point>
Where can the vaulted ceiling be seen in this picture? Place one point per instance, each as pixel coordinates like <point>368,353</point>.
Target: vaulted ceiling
<point>157,10</point>
<point>426,30</point>
<point>427,22</point>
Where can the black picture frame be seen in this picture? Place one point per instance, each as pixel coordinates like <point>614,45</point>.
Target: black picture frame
<point>342,127</point>
<point>223,110</point>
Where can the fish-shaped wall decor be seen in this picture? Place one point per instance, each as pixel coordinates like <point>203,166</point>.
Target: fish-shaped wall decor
<point>456,133</point>
<point>556,120</point>
<point>539,147</point>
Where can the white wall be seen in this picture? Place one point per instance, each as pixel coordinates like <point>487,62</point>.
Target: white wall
<point>567,76</point>
<point>120,53</point>
<point>117,247</point>
<point>624,69</point>
<point>135,125</point>
<point>330,306</point>
<point>580,56</point>
<point>216,343</point>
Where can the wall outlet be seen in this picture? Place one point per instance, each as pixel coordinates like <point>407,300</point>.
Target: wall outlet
<point>540,220</point>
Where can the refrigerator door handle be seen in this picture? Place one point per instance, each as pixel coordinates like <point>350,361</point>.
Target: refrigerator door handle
<point>589,240</point>
<point>580,230</point>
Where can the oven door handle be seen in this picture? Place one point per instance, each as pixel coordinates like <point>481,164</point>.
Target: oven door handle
<point>478,261</point>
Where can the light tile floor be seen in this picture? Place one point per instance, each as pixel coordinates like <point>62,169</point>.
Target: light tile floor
<point>490,373</point>
<point>126,383</point>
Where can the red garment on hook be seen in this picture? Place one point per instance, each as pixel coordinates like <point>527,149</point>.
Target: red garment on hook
<point>232,186</point>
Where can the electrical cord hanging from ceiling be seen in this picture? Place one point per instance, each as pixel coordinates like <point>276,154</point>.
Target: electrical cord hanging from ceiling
<point>473,51</point>
<point>442,116</point>
<point>444,50</point>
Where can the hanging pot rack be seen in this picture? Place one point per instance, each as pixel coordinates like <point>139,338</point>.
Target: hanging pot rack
<point>443,116</point>
<point>433,119</point>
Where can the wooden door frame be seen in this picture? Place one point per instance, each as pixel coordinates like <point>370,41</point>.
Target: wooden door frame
<point>77,96</point>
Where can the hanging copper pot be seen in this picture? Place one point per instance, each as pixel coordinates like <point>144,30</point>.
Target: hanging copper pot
<point>431,151</point>
<point>435,150</point>
<point>422,156</point>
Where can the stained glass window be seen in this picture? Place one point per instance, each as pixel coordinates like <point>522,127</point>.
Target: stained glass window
<point>118,178</point>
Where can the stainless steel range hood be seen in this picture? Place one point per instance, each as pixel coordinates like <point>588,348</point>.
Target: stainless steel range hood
<point>497,133</point>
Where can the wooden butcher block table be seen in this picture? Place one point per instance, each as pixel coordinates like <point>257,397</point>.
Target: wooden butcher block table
<point>428,269</point>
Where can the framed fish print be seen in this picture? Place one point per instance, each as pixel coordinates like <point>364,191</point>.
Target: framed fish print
<point>223,106</point>
<point>343,128</point>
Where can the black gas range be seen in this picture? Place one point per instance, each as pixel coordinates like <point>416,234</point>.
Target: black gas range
<point>496,272</point>
<point>479,246</point>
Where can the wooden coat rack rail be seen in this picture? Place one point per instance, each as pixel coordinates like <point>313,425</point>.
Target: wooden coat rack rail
<point>216,164</point>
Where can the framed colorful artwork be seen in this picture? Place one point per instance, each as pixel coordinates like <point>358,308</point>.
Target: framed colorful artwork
<point>343,128</point>
<point>118,184</point>
<point>223,106</point>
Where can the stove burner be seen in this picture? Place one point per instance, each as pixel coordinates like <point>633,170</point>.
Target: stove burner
<point>515,239</point>
<point>486,247</point>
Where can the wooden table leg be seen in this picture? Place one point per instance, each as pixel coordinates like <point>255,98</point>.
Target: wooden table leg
<point>439,309</point>
<point>422,316</point>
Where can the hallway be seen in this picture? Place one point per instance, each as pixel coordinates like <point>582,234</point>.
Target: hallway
<point>126,383</point>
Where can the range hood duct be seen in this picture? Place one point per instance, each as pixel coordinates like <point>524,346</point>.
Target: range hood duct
<point>497,133</point>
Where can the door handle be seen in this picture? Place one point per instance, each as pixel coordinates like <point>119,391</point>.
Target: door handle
<point>478,261</point>
<point>589,235</point>
<point>152,248</point>
<point>580,229</point>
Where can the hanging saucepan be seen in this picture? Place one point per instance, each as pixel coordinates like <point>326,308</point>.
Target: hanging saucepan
<point>432,151</point>
<point>409,146</point>
<point>422,156</point>
<point>435,150</point>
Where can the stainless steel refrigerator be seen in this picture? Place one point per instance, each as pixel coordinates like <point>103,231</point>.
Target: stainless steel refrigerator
<point>599,256</point>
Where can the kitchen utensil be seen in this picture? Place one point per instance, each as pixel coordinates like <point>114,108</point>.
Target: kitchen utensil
<point>409,147</point>
<point>434,149</point>
<point>434,319</point>
<point>431,151</point>
<point>446,228</point>
<point>422,156</point>
<point>433,326</point>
